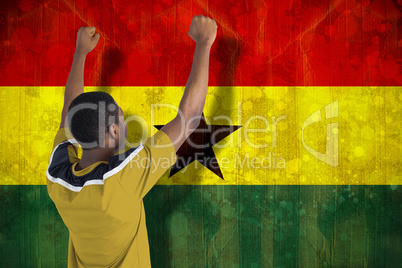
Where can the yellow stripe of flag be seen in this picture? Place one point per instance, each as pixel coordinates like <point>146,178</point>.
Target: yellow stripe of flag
<point>289,135</point>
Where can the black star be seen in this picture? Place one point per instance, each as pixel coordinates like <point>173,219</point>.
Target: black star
<point>198,146</point>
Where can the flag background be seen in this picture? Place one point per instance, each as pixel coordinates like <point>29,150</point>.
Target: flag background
<point>275,58</point>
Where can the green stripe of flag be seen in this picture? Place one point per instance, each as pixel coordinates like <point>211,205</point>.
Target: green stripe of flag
<point>227,226</point>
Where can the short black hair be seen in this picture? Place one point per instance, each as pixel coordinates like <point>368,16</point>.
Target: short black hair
<point>93,114</point>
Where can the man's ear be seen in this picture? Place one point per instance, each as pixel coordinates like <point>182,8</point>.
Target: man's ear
<point>114,131</point>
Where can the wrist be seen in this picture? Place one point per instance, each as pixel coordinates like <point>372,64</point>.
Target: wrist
<point>204,45</point>
<point>79,53</point>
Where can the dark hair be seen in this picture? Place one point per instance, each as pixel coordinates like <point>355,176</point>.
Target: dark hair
<point>90,120</point>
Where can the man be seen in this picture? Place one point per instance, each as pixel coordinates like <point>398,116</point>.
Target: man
<point>99,196</point>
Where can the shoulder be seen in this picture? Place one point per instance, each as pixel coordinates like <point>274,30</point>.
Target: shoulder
<point>63,135</point>
<point>120,161</point>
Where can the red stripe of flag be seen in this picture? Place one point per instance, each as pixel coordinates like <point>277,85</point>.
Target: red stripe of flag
<point>145,43</point>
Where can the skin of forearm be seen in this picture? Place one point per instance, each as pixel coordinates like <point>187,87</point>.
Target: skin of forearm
<point>75,81</point>
<point>193,100</point>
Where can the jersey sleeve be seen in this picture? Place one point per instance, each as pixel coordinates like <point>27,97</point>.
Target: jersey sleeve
<point>65,150</point>
<point>147,164</point>
<point>63,134</point>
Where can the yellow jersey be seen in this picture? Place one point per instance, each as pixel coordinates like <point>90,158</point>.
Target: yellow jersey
<point>102,205</point>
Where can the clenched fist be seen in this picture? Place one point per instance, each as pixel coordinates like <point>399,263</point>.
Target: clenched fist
<point>86,39</point>
<point>203,30</point>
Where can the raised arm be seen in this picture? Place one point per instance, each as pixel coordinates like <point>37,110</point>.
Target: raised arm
<point>86,42</point>
<point>203,31</point>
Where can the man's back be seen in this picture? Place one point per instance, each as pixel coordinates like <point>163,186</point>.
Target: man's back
<point>102,204</point>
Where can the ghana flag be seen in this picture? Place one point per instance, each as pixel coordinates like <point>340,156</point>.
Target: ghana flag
<point>302,127</point>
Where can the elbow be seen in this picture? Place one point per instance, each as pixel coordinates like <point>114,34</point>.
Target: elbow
<point>192,123</point>
<point>191,117</point>
<point>195,122</point>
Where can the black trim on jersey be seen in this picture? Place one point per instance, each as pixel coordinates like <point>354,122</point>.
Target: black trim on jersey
<point>61,167</point>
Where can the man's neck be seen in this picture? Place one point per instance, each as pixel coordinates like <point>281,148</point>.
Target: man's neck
<point>90,157</point>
